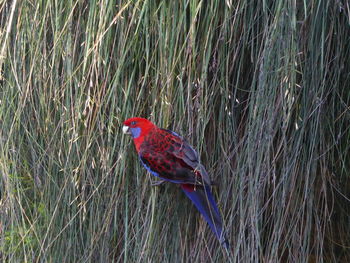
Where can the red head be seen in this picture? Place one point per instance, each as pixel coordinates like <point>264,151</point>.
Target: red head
<point>138,128</point>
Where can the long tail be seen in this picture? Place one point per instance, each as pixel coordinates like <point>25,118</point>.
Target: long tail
<point>203,199</point>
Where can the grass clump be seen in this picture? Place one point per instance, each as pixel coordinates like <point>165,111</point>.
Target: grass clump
<point>260,88</point>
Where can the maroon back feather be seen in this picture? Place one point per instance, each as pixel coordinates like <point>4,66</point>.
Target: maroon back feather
<point>169,155</point>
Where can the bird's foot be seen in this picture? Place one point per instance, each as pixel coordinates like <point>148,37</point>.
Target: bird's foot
<point>157,183</point>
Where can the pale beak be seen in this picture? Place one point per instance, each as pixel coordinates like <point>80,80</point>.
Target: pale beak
<point>126,130</point>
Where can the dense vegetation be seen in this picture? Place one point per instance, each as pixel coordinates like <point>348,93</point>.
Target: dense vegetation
<point>260,88</point>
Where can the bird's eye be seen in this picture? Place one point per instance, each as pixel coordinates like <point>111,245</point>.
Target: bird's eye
<point>133,123</point>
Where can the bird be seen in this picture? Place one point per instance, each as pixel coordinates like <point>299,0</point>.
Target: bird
<point>168,156</point>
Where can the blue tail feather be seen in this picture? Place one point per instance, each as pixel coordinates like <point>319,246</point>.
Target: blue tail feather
<point>203,199</point>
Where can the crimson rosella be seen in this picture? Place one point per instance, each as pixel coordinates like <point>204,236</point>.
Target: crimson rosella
<point>168,156</point>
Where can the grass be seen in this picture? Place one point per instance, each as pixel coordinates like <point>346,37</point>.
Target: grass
<point>260,88</point>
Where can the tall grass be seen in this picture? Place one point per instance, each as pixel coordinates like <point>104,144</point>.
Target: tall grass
<point>260,88</point>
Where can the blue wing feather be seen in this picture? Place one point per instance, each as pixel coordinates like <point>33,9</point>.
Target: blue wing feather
<point>148,168</point>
